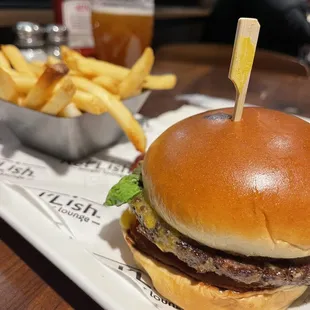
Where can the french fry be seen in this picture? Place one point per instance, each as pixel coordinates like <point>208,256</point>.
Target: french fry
<point>20,100</point>
<point>71,62</point>
<point>98,69</point>
<point>166,81</point>
<point>107,82</point>
<point>92,68</point>
<point>39,63</point>
<point>137,92</point>
<point>44,86</point>
<point>24,83</point>
<point>88,103</point>
<point>13,72</point>
<point>69,57</point>
<point>60,99</point>
<point>140,70</point>
<point>101,67</point>
<point>8,90</point>
<point>17,60</point>
<point>68,52</point>
<point>74,73</point>
<point>36,69</point>
<point>70,111</point>
<point>4,63</point>
<point>52,60</point>
<point>117,110</point>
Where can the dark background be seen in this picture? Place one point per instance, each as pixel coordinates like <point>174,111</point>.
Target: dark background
<point>279,31</point>
<point>48,3</point>
<point>25,3</point>
<point>166,30</point>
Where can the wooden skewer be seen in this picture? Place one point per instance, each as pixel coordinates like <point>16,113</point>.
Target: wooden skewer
<point>242,60</point>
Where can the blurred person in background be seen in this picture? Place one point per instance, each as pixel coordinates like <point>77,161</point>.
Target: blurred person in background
<point>284,25</point>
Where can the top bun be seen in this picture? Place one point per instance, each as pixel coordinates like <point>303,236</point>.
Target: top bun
<point>241,187</point>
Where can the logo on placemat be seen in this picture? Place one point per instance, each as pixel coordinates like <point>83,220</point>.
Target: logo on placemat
<point>81,209</point>
<point>18,170</point>
<point>106,165</point>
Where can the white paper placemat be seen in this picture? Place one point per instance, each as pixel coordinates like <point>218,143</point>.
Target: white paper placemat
<point>57,206</point>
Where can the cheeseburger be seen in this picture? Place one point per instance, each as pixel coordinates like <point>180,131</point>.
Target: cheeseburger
<point>219,211</point>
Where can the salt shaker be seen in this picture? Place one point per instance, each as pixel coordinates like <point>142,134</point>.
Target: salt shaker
<point>30,40</point>
<point>57,35</point>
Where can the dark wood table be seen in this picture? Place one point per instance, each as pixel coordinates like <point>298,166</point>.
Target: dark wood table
<point>30,281</point>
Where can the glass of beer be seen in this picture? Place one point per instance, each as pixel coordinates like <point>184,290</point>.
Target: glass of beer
<point>122,29</point>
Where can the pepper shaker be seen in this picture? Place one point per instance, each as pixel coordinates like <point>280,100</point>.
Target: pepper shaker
<point>57,35</point>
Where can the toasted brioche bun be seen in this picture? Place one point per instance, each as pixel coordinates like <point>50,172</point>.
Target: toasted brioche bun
<point>190,294</point>
<point>241,187</point>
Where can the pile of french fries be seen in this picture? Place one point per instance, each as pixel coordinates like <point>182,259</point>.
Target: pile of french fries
<point>76,84</point>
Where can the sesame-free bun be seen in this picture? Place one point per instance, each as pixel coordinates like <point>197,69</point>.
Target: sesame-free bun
<point>241,187</point>
<point>190,294</point>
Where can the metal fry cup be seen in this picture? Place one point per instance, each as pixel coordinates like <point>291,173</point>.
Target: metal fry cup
<point>66,138</point>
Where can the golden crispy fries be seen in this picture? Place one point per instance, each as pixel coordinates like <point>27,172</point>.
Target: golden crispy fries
<point>36,69</point>
<point>166,81</point>
<point>17,60</point>
<point>68,52</point>
<point>75,84</point>
<point>44,86</point>
<point>92,68</point>
<point>137,93</point>
<point>4,63</point>
<point>20,100</point>
<point>107,82</point>
<point>88,103</point>
<point>70,111</point>
<point>117,110</point>
<point>75,73</point>
<point>100,71</point>
<point>105,68</point>
<point>71,62</point>
<point>60,99</point>
<point>39,63</point>
<point>80,86</point>
<point>13,72</point>
<point>52,60</point>
<point>140,70</point>
<point>8,89</point>
<point>24,83</point>
<point>69,57</point>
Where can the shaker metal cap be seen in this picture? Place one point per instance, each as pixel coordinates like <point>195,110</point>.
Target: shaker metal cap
<point>56,34</point>
<point>29,34</point>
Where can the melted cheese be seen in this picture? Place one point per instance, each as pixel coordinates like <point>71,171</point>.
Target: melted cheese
<point>163,235</point>
<point>127,219</point>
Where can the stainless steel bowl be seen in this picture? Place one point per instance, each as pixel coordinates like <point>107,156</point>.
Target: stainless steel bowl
<point>66,138</point>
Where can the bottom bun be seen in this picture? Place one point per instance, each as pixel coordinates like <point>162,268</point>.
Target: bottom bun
<point>190,294</point>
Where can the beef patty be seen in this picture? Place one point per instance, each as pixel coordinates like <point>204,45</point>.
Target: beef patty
<point>145,246</point>
<point>254,272</point>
